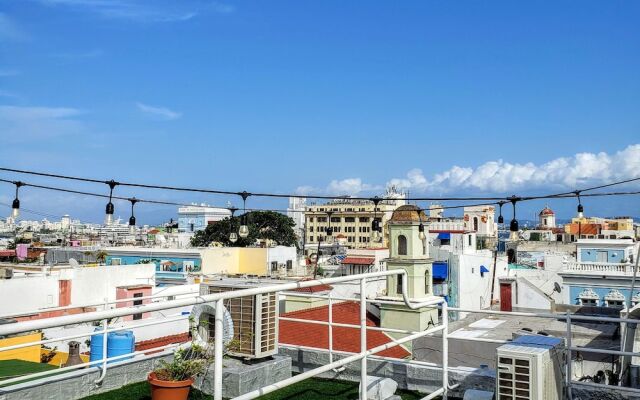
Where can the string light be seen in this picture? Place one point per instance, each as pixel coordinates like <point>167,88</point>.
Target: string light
<point>421,235</point>
<point>244,229</point>
<point>132,219</point>
<point>513,227</point>
<point>500,217</point>
<point>580,208</point>
<point>233,236</point>
<point>108,219</point>
<point>15,207</point>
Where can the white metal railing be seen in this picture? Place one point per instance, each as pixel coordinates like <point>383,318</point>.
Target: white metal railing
<point>218,298</point>
<point>620,268</point>
<point>362,356</point>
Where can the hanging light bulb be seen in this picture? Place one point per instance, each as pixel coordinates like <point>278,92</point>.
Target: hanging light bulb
<point>108,219</point>
<point>500,217</point>
<point>244,229</point>
<point>580,207</point>
<point>421,235</point>
<point>233,236</point>
<point>513,226</point>
<point>132,219</point>
<point>15,207</point>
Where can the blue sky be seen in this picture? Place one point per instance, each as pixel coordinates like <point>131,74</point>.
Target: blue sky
<point>463,97</point>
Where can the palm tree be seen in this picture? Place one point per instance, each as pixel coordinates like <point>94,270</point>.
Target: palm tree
<point>101,256</point>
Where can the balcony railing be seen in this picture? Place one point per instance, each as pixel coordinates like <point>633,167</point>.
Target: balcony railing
<point>362,356</point>
<point>594,267</point>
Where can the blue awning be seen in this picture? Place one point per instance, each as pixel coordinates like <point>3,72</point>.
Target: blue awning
<point>483,269</point>
<point>440,270</point>
<point>444,235</point>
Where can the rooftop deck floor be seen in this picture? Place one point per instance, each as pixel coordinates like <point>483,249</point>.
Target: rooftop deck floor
<point>311,389</point>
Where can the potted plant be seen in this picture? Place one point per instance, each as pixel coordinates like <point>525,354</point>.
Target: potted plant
<point>173,380</point>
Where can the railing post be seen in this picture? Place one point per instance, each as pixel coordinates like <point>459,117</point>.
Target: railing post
<point>569,362</point>
<point>105,326</point>
<point>445,349</point>
<point>330,328</point>
<point>217,352</point>
<point>363,338</point>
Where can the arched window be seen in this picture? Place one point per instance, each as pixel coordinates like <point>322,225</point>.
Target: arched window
<point>475,224</point>
<point>402,245</point>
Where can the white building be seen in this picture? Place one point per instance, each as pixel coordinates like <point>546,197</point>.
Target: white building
<point>295,211</point>
<point>480,219</point>
<point>196,217</point>
<point>547,218</point>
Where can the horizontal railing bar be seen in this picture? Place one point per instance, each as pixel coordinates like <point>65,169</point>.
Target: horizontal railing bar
<point>26,326</point>
<point>129,299</point>
<point>101,331</point>
<point>341,325</point>
<point>7,382</point>
<point>434,394</point>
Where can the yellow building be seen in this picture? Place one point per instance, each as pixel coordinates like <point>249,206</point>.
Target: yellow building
<point>350,220</point>
<point>30,353</point>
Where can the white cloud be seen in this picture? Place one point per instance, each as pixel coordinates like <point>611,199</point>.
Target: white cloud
<point>500,176</point>
<point>160,112</point>
<point>9,30</point>
<point>156,11</point>
<point>26,123</point>
<point>8,72</point>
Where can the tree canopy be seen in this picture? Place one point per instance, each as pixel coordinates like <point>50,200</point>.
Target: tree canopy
<point>263,225</point>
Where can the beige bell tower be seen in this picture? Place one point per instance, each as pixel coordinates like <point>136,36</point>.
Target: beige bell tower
<point>408,250</point>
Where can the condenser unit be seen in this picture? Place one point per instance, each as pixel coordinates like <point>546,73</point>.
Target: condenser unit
<point>531,368</point>
<point>255,318</point>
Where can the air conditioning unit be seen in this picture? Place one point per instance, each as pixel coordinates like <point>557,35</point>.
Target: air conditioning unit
<point>531,368</point>
<point>255,319</point>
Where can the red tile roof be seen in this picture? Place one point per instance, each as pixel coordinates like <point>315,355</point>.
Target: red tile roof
<point>314,289</point>
<point>7,253</point>
<point>359,260</point>
<point>344,339</point>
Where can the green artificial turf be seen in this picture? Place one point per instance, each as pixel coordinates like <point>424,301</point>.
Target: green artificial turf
<point>310,389</point>
<point>13,368</point>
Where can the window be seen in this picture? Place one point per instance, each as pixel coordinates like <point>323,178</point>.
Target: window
<point>116,261</point>
<point>137,303</point>
<point>336,219</point>
<point>399,284</point>
<point>402,245</point>
<point>349,219</point>
<point>311,238</point>
<point>322,219</point>
<point>289,264</point>
<point>475,224</point>
<point>363,219</point>
<point>469,240</point>
<point>274,266</point>
<point>445,242</point>
<point>588,298</point>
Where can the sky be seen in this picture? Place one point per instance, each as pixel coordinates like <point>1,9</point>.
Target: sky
<point>466,98</point>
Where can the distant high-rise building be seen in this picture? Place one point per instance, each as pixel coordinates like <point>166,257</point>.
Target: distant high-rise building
<point>196,217</point>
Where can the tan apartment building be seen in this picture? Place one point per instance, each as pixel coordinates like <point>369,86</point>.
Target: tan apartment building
<point>351,221</point>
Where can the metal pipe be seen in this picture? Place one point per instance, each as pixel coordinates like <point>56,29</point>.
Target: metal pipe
<point>445,350</point>
<point>56,371</point>
<point>25,326</point>
<point>217,352</point>
<point>105,326</point>
<point>363,338</point>
<point>330,328</point>
<point>569,358</point>
<point>435,394</point>
<point>77,336</point>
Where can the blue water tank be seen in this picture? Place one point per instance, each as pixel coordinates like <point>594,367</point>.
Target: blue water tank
<point>118,344</point>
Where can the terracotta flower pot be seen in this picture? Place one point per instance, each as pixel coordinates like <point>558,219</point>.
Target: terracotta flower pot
<point>169,390</point>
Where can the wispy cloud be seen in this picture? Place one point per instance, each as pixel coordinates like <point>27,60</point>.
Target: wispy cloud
<point>8,72</point>
<point>9,30</point>
<point>81,55</point>
<point>159,112</point>
<point>28,123</point>
<point>156,11</point>
<point>564,173</point>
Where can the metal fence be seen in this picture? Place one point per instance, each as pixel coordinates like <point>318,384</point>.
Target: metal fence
<point>362,356</point>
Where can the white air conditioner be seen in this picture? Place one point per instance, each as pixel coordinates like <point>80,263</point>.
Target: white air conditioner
<point>255,319</point>
<point>531,368</point>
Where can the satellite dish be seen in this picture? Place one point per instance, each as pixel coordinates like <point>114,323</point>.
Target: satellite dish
<point>557,287</point>
<point>73,263</point>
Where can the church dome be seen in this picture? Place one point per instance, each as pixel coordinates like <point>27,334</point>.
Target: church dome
<point>546,211</point>
<point>407,214</point>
